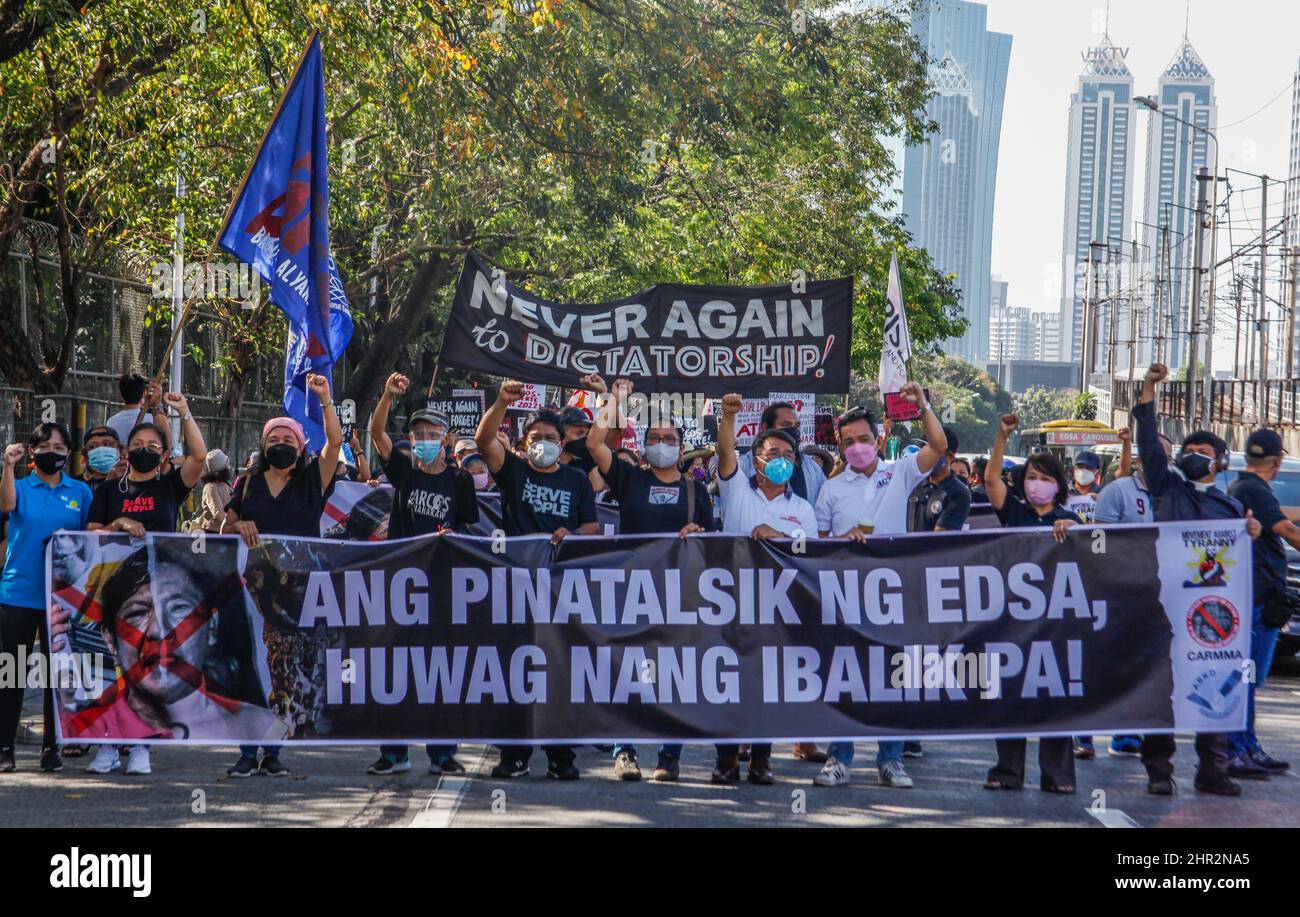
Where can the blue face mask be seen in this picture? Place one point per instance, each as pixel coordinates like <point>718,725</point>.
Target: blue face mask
<point>426,450</point>
<point>778,470</point>
<point>101,459</point>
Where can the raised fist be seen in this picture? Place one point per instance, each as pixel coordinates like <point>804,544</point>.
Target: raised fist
<point>397,385</point>
<point>731,404</point>
<point>1007,423</point>
<point>593,383</point>
<point>511,391</point>
<point>319,386</point>
<point>1157,372</point>
<point>14,454</point>
<point>912,391</point>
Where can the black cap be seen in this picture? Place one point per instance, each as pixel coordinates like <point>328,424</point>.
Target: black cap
<point>436,418</point>
<point>1264,443</point>
<point>572,416</point>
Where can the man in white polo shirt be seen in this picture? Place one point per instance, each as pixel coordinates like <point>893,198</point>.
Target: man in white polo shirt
<point>846,505</point>
<point>761,506</point>
<point>888,517</point>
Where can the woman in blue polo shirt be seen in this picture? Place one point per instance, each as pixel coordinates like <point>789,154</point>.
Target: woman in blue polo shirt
<point>38,505</point>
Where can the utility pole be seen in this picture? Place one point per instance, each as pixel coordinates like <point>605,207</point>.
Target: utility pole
<point>177,371</point>
<point>1086,323</point>
<point>1110,335</point>
<point>1236,347</point>
<point>1290,312</point>
<point>1263,302</point>
<point>1132,328</point>
<point>1193,350</point>
<point>1161,338</point>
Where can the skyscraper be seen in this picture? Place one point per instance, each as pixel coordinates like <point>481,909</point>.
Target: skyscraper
<point>1174,153</point>
<point>948,182</point>
<point>1099,175</point>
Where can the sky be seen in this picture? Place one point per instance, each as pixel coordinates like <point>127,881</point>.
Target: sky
<point>1250,46</point>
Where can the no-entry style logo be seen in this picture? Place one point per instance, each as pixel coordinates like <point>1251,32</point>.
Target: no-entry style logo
<point>1213,621</point>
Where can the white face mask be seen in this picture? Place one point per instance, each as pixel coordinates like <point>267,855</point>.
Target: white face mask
<point>662,455</point>
<point>1083,477</point>
<point>544,453</point>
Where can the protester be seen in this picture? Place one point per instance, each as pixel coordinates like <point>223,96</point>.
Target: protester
<point>961,471</point>
<point>102,455</point>
<point>976,480</point>
<point>1191,495</point>
<point>37,505</point>
<point>359,458</point>
<point>284,495</point>
<point>474,465</point>
<point>215,496</point>
<point>1045,495</point>
<point>146,499</point>
<point>1084,485</point>
<point>761,504</point>
<point>941,503</point>
<point>883,513</point>
<point>538,496</point>
<point>136,391</point>
<point>808,476</point>
<point>431,495</point>
<point>1273,603</point>
<point>657,500</point>
<point>465,446</point>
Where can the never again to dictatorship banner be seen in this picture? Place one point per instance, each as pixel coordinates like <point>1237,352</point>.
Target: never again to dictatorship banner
<point>1135,629</point>
<point>710,340</point>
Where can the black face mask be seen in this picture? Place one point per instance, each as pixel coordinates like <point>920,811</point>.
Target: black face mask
<point>281,455</point>
<point>50,462</point>
<point>1194,466</point>
<point>144,460</point>
<point>581,457</point>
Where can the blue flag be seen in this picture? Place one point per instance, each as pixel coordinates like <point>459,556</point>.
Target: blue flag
<point>279,224</point>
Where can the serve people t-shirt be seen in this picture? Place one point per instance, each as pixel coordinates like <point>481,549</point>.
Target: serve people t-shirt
<point>539,502</point>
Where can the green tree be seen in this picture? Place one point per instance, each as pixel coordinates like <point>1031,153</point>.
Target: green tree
<point>1037,405</point>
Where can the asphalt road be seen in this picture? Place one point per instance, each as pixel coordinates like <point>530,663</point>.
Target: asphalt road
<point>329,787</point>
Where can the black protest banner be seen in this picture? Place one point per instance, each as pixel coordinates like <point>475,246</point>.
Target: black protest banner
<point>709,340</point>
<point>463,409</point>
<point>712,637</point>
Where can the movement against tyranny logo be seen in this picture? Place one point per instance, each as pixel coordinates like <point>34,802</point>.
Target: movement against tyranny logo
<point>1216,694</point>
<point>1208,568</point>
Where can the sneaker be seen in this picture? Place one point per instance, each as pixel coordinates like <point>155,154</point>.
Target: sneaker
<point>563,770</point>
<point>760,772</point>
<point>833,773</point>
<point>667,769</point>
<point>1160,786</point>
<point>246,766</point>
<point>1083,748</point>
<point>510,769</point>
<point>1244,768</point>
<point>1219,785</point>
<point>7,763</point>
<point>726,771</point>
<point>893,774</point>
<point>1125,747</point>
<point>446,764</point>
<point>1268,762</point>
<point>625,766</point>
<point>107,759</point>
<point>389,764</point>
<point>271,767</point>
<point>137,761</point>
<point>912,750</point>
<point>51,763</point>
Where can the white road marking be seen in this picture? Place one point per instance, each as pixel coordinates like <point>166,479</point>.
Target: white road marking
<point>1112,818</point>
<point>444,802</point>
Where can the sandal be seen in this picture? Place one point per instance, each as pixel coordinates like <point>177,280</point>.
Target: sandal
<point>1064,789</point>
<point>993,783</point>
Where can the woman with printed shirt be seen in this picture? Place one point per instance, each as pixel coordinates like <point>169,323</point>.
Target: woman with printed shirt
<point>1046,490</point>
<point>147,498</point>
<point>38,505</point>
<point>284,494</point>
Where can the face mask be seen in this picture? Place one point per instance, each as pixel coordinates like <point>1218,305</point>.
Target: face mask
<point>544,453</point>
<point>700,474</point>
<point>778,470</point>
<point>101,459</point>
<point>1194,466</point>
<point>1083,477</point>
<point>50,462</point>
<point>281,455</point>
<point>426,450</point>
<point>860,455</point>
<point>1040,493</point>
<point>581,457</point>
<point>143,460</point>
<point>481,480</point>
<point>661,455</point>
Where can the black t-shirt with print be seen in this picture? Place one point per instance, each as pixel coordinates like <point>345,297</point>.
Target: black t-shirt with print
<point>1016,513</point>
<point>648,506</point>
<point>425,503</point>
<point>539,502</point>
<point>943,504</point>
<point>295,510</point>
<point>154,503</point>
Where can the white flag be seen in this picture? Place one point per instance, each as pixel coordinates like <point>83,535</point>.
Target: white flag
<point>896,348</point>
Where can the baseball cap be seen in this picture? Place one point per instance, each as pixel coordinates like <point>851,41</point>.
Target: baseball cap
<point>436,418</point>
<point>1088,460</point>
<point>572,416</point>
<point>1263,443</point>
<point>466,445</point>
